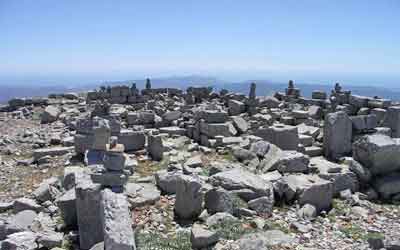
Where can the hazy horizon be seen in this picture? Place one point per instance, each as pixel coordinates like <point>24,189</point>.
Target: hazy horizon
<point>310,41</point>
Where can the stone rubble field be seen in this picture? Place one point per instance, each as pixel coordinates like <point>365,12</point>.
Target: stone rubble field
<point>120,168</point>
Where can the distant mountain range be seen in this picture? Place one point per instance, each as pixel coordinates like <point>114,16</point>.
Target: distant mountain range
<point>264,87</point>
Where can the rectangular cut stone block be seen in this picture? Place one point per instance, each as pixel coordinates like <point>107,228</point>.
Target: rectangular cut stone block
<point>57,151</point>
<point>392,120</point>
<point>284,136</point>
<point>132,140</point>
<point>338,133</point>
<point>88,198</point>
<point>211,130</point>
<point>117,221</point>
<point>379,153</point>
<point>114,161</point>
<point>110,178</point>
<point>173,130</point>
<point>212,116</point>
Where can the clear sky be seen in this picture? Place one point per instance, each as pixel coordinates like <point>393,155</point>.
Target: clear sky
<point>313,40</point>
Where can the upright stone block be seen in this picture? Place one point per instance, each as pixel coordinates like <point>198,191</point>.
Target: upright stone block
<point>155,147</point>
<point>189,198</point>
<point>118,233</point>
<point>101,134</point>
<point>392,120</point>
<point>337,135</point>
<point>88,207</point>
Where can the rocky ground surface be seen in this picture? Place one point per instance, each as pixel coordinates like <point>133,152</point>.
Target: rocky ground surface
<point>166,170</point>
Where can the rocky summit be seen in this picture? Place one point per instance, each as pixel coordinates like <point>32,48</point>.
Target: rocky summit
<point>120,168</point>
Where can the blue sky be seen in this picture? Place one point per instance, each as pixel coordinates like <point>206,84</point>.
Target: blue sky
<point>308,40</point>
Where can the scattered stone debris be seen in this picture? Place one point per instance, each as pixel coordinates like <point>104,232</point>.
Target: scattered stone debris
<point>162,168</point>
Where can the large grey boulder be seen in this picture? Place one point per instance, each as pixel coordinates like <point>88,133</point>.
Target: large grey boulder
<point>47,190</point>
<point>142,194</point>
<point>218,200</point>
<point>363,173</point>
<point>118,233</point>
<point>20,241</point>
<point>284,161</point>
<point>22,221</point>
<point>339,174</point>
<point>388,185</point>
<point>262,205</point>
<point>67,205</point>
<point>50,114</point>
<point>337,135</point>
<point>306,189</point>
<point>211,130</point>
<point>379,153</point>
<point>167,181</point>
<point>26,204</point>
<point>237,179</point>
<point>189,198</point>
<point>240,124</point>
<point>50,239</point>
<point>132,140</point>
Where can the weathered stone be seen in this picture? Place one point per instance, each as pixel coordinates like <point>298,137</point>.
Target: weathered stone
<point>307,211</point>
<point>189,198</point>
<point>20,241</point>
<point>114,161</point>
<point>337,135</point>
<point>284,136</point>
<point>142,194</point>
<point>379,153</point>
<point>116,218</point>
<point>202,238</point>
<point>388,185</point>
<point>264,240</point>
<point>218,200</point>
<point>220,218</point>
<point>307,189</point>
<point>240,124</point>
<point>340,175</point>
<point>55,151</point>
<point>212,130</point>
<point>72,175</point>
<point>212,116</point>
<point>155,147</point>
<point>47,190</point>
<point>22,204</point>
<point>260,148</point>
<point>262,205</point>
<point>236,107</point>
<point>167,181</point>
<point>101,133</point>
<point>132,140</point>
<point>67,205</point>
<point>392,120</point>
<point>50,114</point>
<point>237,179</point>
<point>50,240</point>
<point>89,214</point>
